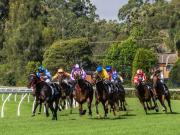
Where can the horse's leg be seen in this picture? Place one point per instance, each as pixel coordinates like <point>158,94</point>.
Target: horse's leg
<point>80,109</point>
<point>169,102</point>
<point>46,107</point>
<point>64,104</point>
<point>89,106</point>
<point>147,105</point>
<point>105,106</point>
<point>71,104</point>
<point>124,107</point>
<point>40,106</point>
<point>121,105</point>
<point>56,108</point>
<point>113,107</point>
<point>50,104</point>
<point>144,106</point>
<point>97,111</point>
<point>161,99</point>
<point>35,107</point>
<point>155,104</point>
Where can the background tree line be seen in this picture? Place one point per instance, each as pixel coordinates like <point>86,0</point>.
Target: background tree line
<point>60,33</point>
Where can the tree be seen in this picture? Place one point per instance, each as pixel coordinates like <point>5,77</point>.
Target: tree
<point>144,59</point>
<point>121,55</point>
<point>174,74</point>
<point>65,53</point>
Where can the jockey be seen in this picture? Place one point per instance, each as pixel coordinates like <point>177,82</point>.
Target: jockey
<point>43,74</point>
<point>104,75</point>
<point>76,69</point>
<point>61,74</point>
<point>116,76</point>
<point>158,75</point>
<point>140,76</point>
<point>109,71</point>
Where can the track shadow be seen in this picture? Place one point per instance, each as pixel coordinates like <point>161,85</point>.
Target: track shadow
<point>64,114</point>
<point>155,113</point>
<point>172,113</point>
<point>129,114</point>
<point>108,118</point>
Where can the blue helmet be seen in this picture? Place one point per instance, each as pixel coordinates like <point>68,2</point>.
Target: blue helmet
<point>108,68</point>
<point>99,69</point>
<point>41,69</point>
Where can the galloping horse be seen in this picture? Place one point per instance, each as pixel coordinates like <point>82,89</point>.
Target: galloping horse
<point>44,93</point>
<point>121,94</point>
<point>83,92</point>
<point>101,94</point>
<point>162,93</point>
<point>66,93</point>
<point>104,96</point>
<point>145,95</point>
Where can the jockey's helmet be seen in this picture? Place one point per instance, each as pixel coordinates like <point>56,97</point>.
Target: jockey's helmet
<point>139,71</point>
<point>76,66</point>
<point>99,69</point>
<point>108,68</point>
<point>41,69</point>
<point>60,70</point>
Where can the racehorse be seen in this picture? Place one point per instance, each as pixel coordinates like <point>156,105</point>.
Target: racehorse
<point>106,97</point>
<point>162,93</point>
<point>101,94</point>
<point>121,94</point>
<point>83,92</point>
<point>144,93</point>
<point>66,93</point>
<point>44,93</point>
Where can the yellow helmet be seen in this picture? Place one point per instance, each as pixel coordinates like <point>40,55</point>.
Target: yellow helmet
<point>60,70</point>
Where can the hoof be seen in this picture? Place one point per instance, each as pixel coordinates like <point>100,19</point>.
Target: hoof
<point>39,112</point>
<point>33,115</point>
<point>82,112</point>
<point>164,110</point>
<point>54,118</point>
<point>156,109</point>
<point>47,115</point>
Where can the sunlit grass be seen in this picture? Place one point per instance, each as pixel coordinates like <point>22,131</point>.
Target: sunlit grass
<point>125,123</point>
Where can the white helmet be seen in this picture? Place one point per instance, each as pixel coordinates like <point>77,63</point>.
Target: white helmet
<point>139,71</point>
<point>76,66</point>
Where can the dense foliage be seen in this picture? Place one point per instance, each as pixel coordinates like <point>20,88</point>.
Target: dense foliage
<point>121,56</point>
<point>30,29</point>
<point>144,59</point>
<point>174,74</point>
<point>65,53</point>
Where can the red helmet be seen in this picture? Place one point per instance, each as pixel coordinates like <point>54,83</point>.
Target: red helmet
<point>139,71</point>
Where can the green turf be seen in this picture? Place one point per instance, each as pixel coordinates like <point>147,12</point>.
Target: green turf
<point>135,122</point>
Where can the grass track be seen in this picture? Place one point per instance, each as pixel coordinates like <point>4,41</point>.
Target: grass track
<point>135,122</point>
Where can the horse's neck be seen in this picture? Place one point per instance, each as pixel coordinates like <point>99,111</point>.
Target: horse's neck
<point>80,82</point>
<point>100,86</point>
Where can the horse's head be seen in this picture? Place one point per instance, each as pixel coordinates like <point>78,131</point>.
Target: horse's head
<point>60,77</point>
<point>78,75</point>
<point>32,80</point>
<point>96,78</point>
